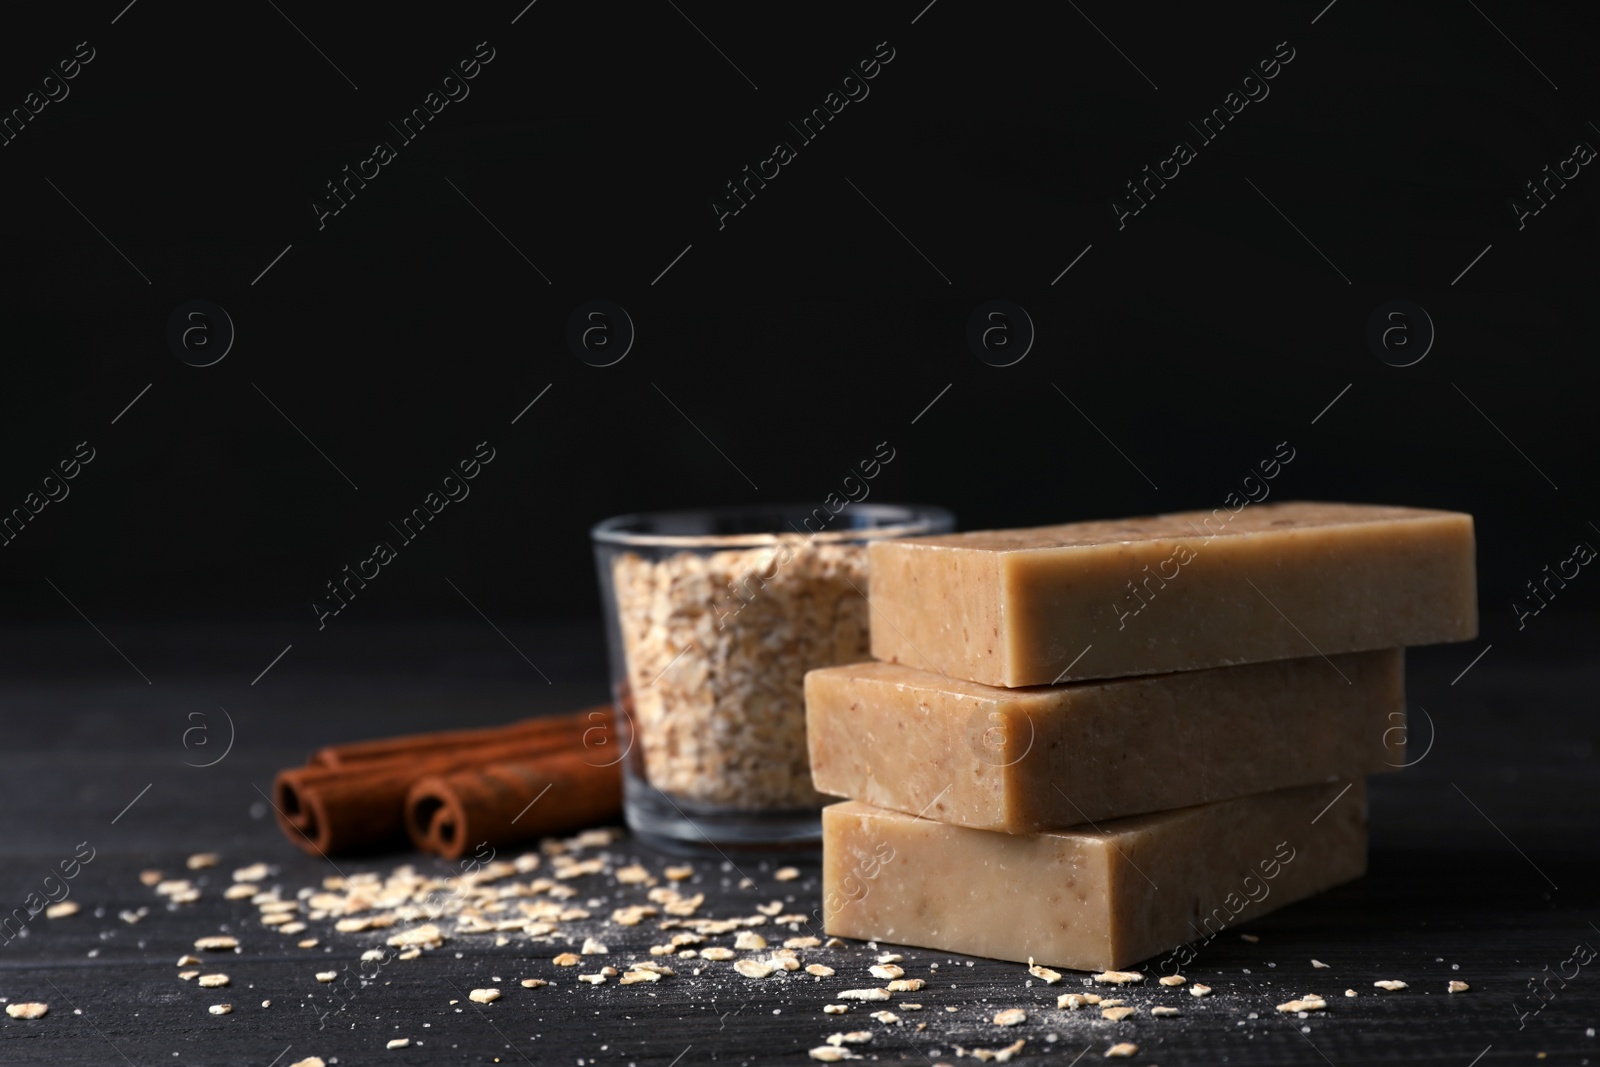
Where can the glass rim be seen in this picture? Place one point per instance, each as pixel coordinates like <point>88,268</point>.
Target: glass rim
<point>906,520</point>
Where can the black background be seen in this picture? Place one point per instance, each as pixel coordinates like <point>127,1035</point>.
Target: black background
<point>806,330</point>
<point>771,357</point>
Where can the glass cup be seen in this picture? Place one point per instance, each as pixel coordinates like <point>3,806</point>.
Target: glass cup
<point>713,617</point>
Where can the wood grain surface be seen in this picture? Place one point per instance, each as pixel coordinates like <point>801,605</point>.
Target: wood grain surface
<point>1483,869</point>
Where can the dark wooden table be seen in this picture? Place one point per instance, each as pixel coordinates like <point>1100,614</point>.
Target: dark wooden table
<point>1483,869</point>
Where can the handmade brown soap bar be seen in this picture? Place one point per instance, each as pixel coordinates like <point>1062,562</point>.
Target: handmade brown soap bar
<point>1086,899</point>
<point>1020,760</point>
<point>1174,592</point>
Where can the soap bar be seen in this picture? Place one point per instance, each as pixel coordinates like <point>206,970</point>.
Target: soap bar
<point>1086,899</point>
<point>1020,760</point>
<point>1174,592</point>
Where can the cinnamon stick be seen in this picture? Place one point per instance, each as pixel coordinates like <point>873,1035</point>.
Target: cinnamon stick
<point>360,804</point>
<point>582,726</point>
<point>505,803</point>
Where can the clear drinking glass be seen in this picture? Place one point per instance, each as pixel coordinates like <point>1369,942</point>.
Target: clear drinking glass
<point>713,617</point>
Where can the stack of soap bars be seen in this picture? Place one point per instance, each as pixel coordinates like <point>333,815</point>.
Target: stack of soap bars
<point>1090,744</point>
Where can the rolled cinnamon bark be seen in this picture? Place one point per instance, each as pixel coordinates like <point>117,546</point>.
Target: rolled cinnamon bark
<point>342,813</point>
<point>581,727</point>
<point>360,805</point>
<point>505,803</point>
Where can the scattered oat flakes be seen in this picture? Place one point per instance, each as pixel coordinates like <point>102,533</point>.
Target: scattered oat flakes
<point>253,873</point>
<point>1044,974</point>
<point>854,1037</point>
<point>266,1003</point>
<point>1172,979</point>
<point>906,985</point>
<point>1118,977</point>
<point>746,883</point>
<point>749,939</point>
<point>1010,1017</point>
<point>834,1009</point>
<point>802,942</point>
<point>130,917</point>
<point>1199,989</point>
<point>1349,992</point>
<point>819,970</point>
<point>187,960</point>
<point>1391,984</point>
<point>202,860</point>
<point>580,868</point>
<point>1459,987</point>
<point>1122,1048</point>
<point>770,909</point>
<point>1309,1002</point>
<point>831,1054</point>
<point>427,934</point>
<point>591,947</point>
<point>61,910</point>
<point>887,1018</point>
<point>863,994</point>
<point>786,874</point>
<point>1076,1000</point>
<point>639,976</point>
<point>399,1042</point>
<point>534,983</point>
<point>1163,1012</point>
<point>27,1010</point>
<point>186,975</point>
<point>1116,1015</point>
<point>632,915</point>
<point>409,954</point>
<point>484,996</point>
<point>327,976</point>
<point>716,952</point>
<point>212,981</point>
<point>1112,1003</point>
<point>150,878</point>
<point>592,979</point>
<point>567,959</point>
<point>753,968</point>
<point>678,874</point>
<point>217,943</point>
<point>239,891</point>
<point>634,874</point>
<point>309,1061</point>
<point>891,957</point>
<point>221,1009</point>
<point>998,1055</point>
<point>885,971</point>
<point>1319,965</point>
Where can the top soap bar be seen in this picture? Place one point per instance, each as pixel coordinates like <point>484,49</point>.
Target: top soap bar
<point>1178,592</point>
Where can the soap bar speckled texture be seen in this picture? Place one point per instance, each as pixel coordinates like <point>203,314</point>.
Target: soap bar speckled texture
<point>1174,592</point>
<point>1021,760</point>
<point>1086,899</point>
